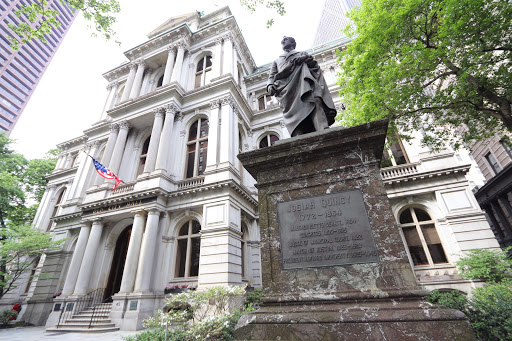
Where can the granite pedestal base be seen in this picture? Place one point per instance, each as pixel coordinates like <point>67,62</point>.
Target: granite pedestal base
<point>334,266</point>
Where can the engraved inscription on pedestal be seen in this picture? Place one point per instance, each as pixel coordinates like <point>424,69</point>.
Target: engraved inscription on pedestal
<point>325,230</point>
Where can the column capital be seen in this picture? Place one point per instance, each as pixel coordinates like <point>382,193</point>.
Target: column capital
<point>228,37</point>
<point>155,211</point>
<point>112,85</point>
<point>133,65</point>
<point>181,45</point>
<point>171,49</point>
<point>50,187</point>
<point>140,62</point>
<point>124,125</point>
<point>218,41</point>
<point>159,112</point>
<point>139,212</point>
<point>214,104</point>
<point>171,109</point>
<point>114,127</point>
<point>228,100</point>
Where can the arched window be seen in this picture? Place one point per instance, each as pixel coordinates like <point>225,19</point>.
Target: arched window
<point>188,249</point>
<point>264,101</point>
<point>203,71</point>
<point>421,237</point>
<point>244,249</point>
<point>56,209</point>
<point>268,140</point>
<point>160,81</point>
<point>197,146</point>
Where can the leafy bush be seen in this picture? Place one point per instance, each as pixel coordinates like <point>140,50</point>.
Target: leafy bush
<point>6,315</point>
<point>491,266</point>
<point>252,298</point>
<point>453,299</point>
<point>209,314</point>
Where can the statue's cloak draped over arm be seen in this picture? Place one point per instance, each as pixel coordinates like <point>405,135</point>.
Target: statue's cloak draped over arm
<point>297,86</point>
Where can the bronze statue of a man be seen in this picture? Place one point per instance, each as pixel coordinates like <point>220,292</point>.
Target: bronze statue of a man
<point>297,82</point>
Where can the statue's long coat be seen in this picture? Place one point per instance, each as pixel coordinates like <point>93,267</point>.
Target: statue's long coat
<point>297,86</point>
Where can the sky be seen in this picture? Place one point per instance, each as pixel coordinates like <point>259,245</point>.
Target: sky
<point>71,94</point>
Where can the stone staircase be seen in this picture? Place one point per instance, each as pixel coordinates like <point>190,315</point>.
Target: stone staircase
<point>80,322</point>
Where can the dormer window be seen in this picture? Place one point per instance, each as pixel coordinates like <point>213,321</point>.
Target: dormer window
<point>264,101</point>
<point>203,71</point>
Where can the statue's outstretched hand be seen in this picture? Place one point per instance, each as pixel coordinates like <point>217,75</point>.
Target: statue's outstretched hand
<point>271,90</point>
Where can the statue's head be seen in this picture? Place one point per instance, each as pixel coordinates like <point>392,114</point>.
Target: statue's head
<point>288,43</point>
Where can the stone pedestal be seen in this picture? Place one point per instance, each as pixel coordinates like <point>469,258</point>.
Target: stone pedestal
<point>333,264</point>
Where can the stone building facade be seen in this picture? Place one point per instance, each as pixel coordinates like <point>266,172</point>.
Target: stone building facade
<point>176,116</point>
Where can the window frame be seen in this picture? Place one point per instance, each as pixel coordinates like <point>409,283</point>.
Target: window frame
<point>197,141</point>
<point>188,256</point>
<point>268,138</point>
<point>418,226</point>
<point>202,73</point>
<point>495,166</point>
<point>267,100</point>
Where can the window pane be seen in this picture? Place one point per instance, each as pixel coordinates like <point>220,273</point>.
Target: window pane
<point>421,215</point>
<point>406,216</point>
<point>183,230</point>
<point>160,81</point>
<point>196,227</point>
<point>261,103</point>
<point>192,133</point>
<point>414,244</point>
<point>201,164</point>
<point>194,256</point>
<point>181,257</point>
<point>208,61</point>
<point>145,147</point>
<point>190,160</point>
<point>273,139</point>
<point>434,244</point>
<point>197,83</point>
<point>204,127</point>
<point>200,65</point>
<point>264,142</point>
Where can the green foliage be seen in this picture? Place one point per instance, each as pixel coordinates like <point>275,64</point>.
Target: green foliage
<point>491,266</point>
<point>209,314</point>
<point>252,298</point>
<point>453,299</point>
<point>6,315</point>
<point>430,65</point>
<point>44,19</point>
<point>276,5</point>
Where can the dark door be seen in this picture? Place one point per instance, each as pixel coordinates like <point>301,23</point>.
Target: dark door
<point>116,270</point>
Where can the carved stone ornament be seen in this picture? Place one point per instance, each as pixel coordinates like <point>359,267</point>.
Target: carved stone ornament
<point>140,62</point>
<point>159,111</point>
<point>182,133</point>
<point>95,144</point>
<point>124,125</point>
<point>112,85</point>
<point>178,117</point>
<point>250,133</point>
<point>171,108</point>
<point>133,66</point>
<point>228,100</point>
<point>114,127</point>
<point>214,104</point>
<point>50,187</point>
<point>218,41</point>
<point>171,49</point>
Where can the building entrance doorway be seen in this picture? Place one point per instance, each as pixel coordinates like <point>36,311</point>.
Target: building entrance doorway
<point>116,270</point>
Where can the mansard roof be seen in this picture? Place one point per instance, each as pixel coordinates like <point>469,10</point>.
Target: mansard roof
<point>173,22</point>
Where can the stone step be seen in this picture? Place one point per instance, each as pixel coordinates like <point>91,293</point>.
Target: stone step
<point>73,324</point>
<point>83,330</point>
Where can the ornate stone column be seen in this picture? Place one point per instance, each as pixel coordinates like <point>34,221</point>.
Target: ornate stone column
<point>166,137</point>
<point>76,261</point>
<point>62,159</point>
<point>129,82</point>
<point>43,206</point>
<point>147,253</point>
<point>132,256</point>
<point>178,66</point>
<point>154,141</point>
<point>84,276</point>
<point>112,90</point>
<point>226,152</point>
<point>171,55</point>
<point>213,136</point>
<point>109,148</point>
<point>227,65</point>
<point>84,170</point>
<point>137,82</point>
<point>114,96</point>
<point>217,59</point>
<point>117,153</point>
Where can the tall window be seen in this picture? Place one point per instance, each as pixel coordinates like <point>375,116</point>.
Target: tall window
<point>203,71</point>
<point>245,234</point>
<point>507,145</point>
<point>264,101</point>
<point>421,237</point>
<point>197,146</point>
<point>56,209</point>
<point>188,249</point>
<point>160,81</point>
<point>496,168</point>
<point>143,156</point>
<point>268,140</point>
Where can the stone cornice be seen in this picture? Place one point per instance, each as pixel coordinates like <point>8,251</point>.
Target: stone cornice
<point>74,142</point>
<point>427,175</point>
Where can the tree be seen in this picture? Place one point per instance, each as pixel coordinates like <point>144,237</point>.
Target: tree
<point>22,185</point>
<point>40,18</point>
<point>430,65</point>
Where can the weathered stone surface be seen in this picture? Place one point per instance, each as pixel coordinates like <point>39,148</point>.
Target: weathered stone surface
<point>377,298</point>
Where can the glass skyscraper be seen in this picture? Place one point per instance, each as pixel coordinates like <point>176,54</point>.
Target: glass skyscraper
<point>21,70</point>
<point>333,20</point>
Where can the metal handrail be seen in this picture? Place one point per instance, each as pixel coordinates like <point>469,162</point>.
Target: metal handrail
<point>99,313</point>
<point>75,307</point>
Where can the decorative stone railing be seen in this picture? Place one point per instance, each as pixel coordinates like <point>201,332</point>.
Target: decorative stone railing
<point>123,188</point>
<point>398,171</point>
<point>189,183</point>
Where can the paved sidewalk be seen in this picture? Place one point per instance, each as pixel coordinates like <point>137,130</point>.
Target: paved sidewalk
<point>38,333</point>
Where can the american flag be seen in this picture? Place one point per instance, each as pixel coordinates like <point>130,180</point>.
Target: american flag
<point>106,173</point>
